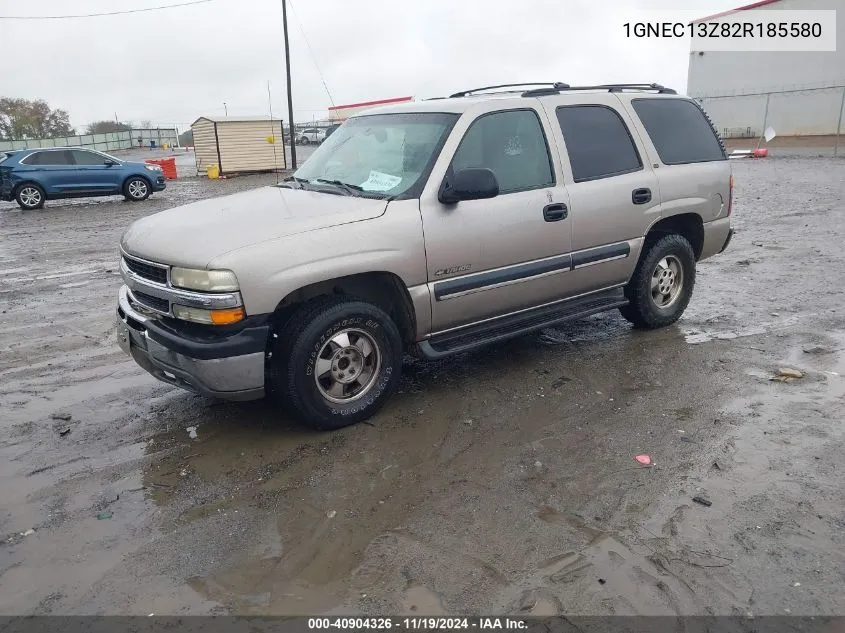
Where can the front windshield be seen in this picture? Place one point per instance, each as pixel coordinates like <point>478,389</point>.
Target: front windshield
<point>380,154</point>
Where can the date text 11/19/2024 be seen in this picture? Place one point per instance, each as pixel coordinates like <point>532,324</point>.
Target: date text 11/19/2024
<point>417,624</point>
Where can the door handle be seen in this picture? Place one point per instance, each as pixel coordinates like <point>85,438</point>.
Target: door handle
<point>641,196</point>
<point>555,212</point>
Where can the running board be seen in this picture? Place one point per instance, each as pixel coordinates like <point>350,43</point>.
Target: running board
<point>511,326</point>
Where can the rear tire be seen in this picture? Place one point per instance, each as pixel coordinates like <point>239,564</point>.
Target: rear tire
<point>336,362</point>
<point>137,188</point>
<point>30,197</point>
<point>661,286</point>
<point>304,140</point>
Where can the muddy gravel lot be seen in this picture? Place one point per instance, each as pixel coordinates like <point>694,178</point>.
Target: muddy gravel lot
<point>496,482</point>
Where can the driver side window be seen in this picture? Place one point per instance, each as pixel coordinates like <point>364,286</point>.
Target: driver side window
<point>511,144</point>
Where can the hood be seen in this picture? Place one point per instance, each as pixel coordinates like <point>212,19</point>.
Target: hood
<point>194,234</point>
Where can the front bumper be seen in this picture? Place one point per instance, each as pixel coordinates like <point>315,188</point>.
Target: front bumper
<point>229,367</point>
<point>160,183</point>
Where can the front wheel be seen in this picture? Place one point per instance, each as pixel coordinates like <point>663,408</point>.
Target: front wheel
<point>662,283</point>
<point>30,197</point>
<point>137,189</point>
<point>303,140</point>
<point>336,362</point>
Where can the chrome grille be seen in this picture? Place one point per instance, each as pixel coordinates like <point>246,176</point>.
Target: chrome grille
<point>151,272</point>
<point>156,303</point>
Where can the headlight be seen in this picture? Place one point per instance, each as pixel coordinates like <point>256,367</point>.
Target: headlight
<point>154,167</point>
<point>204,280</point>
<point>211,317</point>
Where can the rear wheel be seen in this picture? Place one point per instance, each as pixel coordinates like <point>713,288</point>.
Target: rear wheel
<point>661,286</point>
<point>336,362</point>
<point>303,140</point>
<point>137,189</point>
<point>30,196</point>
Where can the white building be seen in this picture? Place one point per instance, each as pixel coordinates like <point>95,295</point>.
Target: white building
<point>796,93</point>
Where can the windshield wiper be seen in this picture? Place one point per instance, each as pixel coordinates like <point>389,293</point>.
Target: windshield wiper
<point>349,188</point>
<point>292,181</point>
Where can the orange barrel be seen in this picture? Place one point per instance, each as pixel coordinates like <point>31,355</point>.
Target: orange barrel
<point>168,165</point>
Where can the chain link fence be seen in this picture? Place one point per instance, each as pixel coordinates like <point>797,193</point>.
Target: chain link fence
<point>139,137</point>
<point>802,117</point>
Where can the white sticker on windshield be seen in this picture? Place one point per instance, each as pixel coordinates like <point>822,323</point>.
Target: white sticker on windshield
<point>379,181</point>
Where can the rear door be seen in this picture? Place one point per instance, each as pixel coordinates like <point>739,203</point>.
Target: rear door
<point>93,174</point>
<point>489,257</point>
<point>693,170</point>
<point>613,190</point>
<point>53,169</point>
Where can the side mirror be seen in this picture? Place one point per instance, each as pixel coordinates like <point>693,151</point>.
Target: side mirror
<point>109,163</point>
<point>477,183</point>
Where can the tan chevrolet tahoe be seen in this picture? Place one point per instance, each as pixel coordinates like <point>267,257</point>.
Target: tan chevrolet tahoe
<point>435,227</point>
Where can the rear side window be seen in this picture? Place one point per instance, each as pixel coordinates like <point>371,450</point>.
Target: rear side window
<point>598,142</point>
<point>61,157</point>
<point>679,130</point>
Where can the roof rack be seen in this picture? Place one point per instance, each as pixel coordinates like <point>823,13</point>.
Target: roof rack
<point>555,85</point>
<point>539,92</point>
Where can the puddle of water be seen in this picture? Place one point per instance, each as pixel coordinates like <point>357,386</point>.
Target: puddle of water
<point>419,600</point>
<point>695,336</point>
<point>75,284</point>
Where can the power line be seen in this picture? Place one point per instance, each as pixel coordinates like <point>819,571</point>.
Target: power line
<point>96,15</point>
<point>310,50</point>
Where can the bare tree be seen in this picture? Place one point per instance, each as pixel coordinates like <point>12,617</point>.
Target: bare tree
<point>22,118</point>
<point>104,127</point>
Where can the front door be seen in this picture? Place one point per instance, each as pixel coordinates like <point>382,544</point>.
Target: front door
<point>93,174</point>
<point>489,257</point>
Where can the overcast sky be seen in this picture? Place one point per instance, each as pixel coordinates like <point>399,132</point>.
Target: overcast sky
<point>172,66</point>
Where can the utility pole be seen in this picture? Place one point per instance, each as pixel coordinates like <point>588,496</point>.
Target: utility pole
<point>290,96</point>
<point>225,109</point>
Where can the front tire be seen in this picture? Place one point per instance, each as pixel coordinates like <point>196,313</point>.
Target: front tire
<point>30,196</point>
<point>137,188</point>
<point>661,286</point>
<point>336,362</point>
<point>303,140</point>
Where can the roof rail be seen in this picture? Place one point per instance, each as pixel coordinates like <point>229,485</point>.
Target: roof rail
<point>555,85</point>
<point>539,92</point>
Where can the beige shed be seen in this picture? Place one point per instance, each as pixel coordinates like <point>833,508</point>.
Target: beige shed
<point>239,144</point>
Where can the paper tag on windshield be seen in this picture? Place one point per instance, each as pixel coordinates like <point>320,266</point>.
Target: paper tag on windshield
<point>379,181</point>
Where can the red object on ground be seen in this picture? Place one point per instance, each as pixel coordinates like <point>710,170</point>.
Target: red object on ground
<point>645,460</point>
<point>761,152</point>
<point>168,166</point>
<point>370,103</point>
